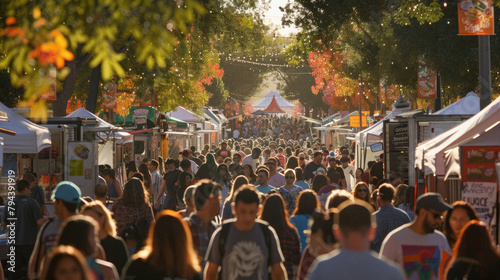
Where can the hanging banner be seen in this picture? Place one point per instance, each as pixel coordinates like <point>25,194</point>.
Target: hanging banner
<point>427,82</point>
<point>354,121</point>
<point>51,93</point>
<point>109,95</point>
<point>482,196</point>
<point>389,92</point>
<point>479,163</point>
<point>475,17</point>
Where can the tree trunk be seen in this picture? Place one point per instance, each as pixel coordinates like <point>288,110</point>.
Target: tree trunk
<point>93,89</point>
<point>68,86</point>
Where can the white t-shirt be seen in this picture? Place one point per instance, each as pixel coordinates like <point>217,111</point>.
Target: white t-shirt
<point>350,179</point>
<point>417,254</point>
<point>249,160</point>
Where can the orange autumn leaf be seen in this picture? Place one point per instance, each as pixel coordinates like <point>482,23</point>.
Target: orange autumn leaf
<point>54,52</point>
<point>12,32</point>
<point>10,21</point>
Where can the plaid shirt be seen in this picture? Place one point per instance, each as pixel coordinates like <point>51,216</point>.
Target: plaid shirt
<point>290,247</point>
<point>388,219</point>
<point>201,233</point>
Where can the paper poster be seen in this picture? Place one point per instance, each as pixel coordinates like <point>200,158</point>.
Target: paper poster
<point>82,160</point>
<point>482,196</point>
<point>475,17</point>
<point>75,167</point>
<point>479,163</point>
<point>427,82</point>
<point>421,262</point>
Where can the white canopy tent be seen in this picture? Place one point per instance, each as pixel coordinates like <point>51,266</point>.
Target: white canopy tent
<point>30,138</point>
<point>487,137</point>
<point>469,105</point>
<point>264,102</point>
<point>430,154</point>
<point>377,129</point>
<point>121,136</point>
<point>184,114</point>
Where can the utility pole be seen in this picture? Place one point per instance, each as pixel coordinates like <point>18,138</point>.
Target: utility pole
<point>484,70</point>
<point>360,115</point>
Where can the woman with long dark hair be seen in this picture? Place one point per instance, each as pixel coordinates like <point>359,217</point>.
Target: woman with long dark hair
<point>292,163</point>
<point>307,203</point>
<point>275,213</point>
<point>168,253</point>
<point>227,212</point>
<point>248,172</point>
<point>455,220</point>
<point>474,255</point>
<point>134,213</point>
<point>399,197</point>
<point>409,202</point>
<point>114,187</point>
<point>223,178</point>
<point>318,182</point>
<point>81,232</point>
<point>299,179</point>
<point>184,182</point>
<point>207,170</point>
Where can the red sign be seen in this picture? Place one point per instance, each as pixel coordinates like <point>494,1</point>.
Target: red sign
<point>475,17</point>
<point>479,163</point>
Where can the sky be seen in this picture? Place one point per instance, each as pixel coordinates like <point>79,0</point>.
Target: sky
<point>273,17</point>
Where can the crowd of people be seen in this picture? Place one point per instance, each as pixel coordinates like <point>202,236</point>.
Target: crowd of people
<point>252,208</point>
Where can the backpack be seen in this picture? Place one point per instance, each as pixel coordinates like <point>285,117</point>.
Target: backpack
<point>264,226</point>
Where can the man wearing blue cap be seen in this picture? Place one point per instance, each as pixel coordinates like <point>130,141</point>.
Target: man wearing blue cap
<point>66,198</point>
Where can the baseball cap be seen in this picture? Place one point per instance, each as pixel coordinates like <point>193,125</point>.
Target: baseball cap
<point>185,152</point>
<point>332,154</point>
<point>68,192</point>
<point>203,190</point>
<point>432,201</point>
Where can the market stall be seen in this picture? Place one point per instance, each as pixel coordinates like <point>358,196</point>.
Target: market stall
<point>20,151</point>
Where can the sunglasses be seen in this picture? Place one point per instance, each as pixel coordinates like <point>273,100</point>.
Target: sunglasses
<point>362,190</point>
<point>436,215</point>
<point>289,177</point>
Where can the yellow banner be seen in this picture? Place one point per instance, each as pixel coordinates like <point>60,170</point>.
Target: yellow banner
<point>354,121</point>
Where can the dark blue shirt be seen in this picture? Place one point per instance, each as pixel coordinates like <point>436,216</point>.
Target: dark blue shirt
<point>388,219</point>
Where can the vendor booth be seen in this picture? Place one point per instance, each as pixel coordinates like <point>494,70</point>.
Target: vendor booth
<point>20,151</point>
<point>468,154</point>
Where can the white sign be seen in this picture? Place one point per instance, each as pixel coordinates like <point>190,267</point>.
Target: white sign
<point>81,162</point>
<point>482,196</point>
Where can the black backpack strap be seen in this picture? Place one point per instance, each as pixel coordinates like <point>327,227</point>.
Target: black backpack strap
<point>40,243</point>
<point>223,237</point>
<point>264,226</point>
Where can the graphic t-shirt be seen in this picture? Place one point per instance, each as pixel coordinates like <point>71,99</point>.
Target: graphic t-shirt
<point>245,253</point>
<point>421,256</point>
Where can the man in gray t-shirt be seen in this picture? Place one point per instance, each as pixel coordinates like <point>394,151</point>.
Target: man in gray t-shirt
<point>245,248</point>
